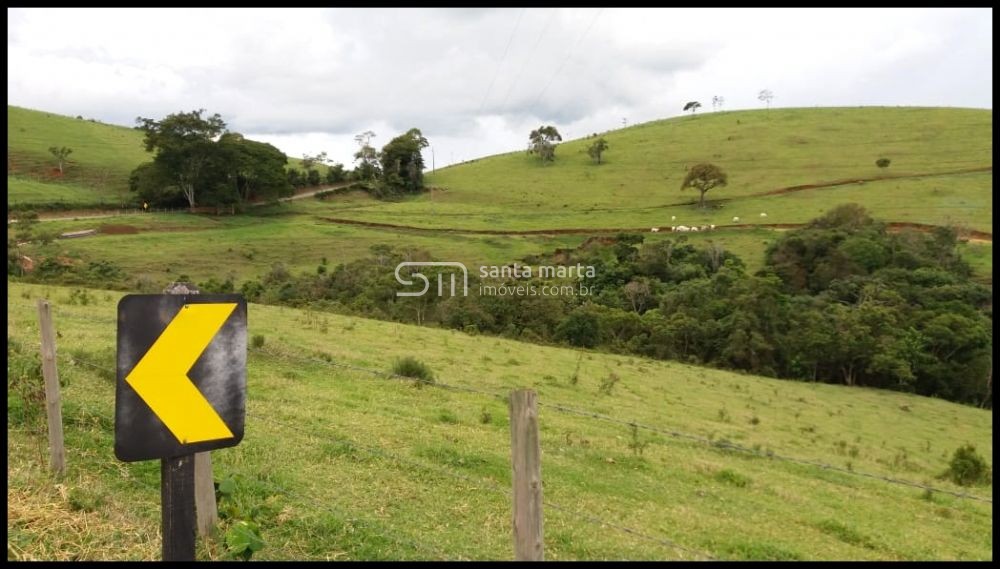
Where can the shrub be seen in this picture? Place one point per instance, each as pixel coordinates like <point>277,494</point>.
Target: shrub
<point>883,162</point>
<point>732,478</point>
<point>257,341</point>
<point>411,367</point>
<point>968,468</point>
<point>608,383</point>
<point>635,444</point>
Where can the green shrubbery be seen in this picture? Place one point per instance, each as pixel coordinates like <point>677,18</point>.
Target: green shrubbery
<point>410,366</point>
<point>968,468</point>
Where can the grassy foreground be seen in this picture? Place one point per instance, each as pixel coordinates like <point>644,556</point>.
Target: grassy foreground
<point>340,464</point>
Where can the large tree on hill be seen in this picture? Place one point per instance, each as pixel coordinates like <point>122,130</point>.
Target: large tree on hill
<point>692,106</point>
<point>403,163</point>
<point>704,177</point>
<point>184,145</point>
<point>542,142</point>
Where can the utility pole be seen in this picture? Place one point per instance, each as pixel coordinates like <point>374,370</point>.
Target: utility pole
<point>432,159</point>
<point>624,122</point>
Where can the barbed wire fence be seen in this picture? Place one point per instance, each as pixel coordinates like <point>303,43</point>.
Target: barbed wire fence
<point>481,484</point>
<point>718,443</point>
<point>489,485</point>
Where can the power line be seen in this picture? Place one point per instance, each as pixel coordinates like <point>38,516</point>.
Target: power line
<point>527,60</point>
<point>569,53</point>
<point>502,58</point>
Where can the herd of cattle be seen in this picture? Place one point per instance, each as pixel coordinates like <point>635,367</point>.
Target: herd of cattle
<point>685,228</point>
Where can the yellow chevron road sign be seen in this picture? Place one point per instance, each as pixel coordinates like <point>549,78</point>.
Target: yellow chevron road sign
<point>181,385</point>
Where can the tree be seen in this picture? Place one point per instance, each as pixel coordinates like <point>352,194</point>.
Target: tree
<point>692,106</point>
<point>335,173</point>
<point>152,183</point>
<point>704,177</point>
<point>60,154</point>
<point>597,148</point>
<point>542,142</point>
<point>309,162</point>
<point>366,157</point>
<point>365,138</point>
<point>255,170</point>
<point>717,102</point>
<point>402,162</point>
<point>184,145</point>
<point>766,96</point>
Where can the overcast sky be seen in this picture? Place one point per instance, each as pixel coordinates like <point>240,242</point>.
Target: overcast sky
<point>476,81</point>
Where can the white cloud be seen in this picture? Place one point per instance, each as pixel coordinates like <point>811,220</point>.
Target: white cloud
<point>307,80</point>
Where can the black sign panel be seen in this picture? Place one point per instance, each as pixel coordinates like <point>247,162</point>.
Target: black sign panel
<point>181,384</point>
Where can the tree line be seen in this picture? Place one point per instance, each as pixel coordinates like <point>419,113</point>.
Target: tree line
<point>198,161</point>
<point>841,300</point>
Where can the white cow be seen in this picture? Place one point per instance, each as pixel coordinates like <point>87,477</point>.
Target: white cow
<point>694,229</point>
<point>712,227</point>
<point>762,214</point>
<point>704,228</point>
<point>736,220</point>
<point>683,228</point>
<point>655,230</point>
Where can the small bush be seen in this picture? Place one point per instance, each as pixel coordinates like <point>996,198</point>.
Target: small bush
<point>257,341</point>
<point>608,383</point>
<point>883,162</point>
<point>732,478</point>
<point>447,417</point>
<point>485,417</point>
<point>968,468</point>
<point>635,444</point>
<point>410,366</point>
<point>243,540</point>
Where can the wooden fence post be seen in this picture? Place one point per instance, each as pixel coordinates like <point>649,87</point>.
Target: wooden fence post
<point>53,405</point>
<point>204,494</point>
<point>526,461</point>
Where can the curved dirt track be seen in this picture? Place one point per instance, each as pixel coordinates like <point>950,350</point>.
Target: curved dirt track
<point>896,226</point>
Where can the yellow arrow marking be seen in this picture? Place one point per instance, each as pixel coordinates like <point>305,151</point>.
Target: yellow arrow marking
<point>160,378</point>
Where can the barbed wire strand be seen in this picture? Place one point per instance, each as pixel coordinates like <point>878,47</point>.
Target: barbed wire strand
<point>721,444</point>
<point>580,515</point>
<point>599,521</point>
<point>726,445</point>
<point>492,485</point>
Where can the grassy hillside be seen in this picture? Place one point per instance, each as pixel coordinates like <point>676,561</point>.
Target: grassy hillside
<point>161,247</point>
<point>341,464</point>
<point>97,171</point>
<point>639,183</point>
<point>761,150</point>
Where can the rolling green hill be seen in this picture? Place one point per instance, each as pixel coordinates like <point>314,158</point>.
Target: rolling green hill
<point>97,172</point>
<point>338,463</point>
<point>638,185</point>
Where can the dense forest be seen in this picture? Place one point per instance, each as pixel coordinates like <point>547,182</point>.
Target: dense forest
<point>839,301</point>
